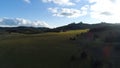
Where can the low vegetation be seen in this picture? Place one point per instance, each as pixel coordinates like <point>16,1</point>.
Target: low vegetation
<point>47,50</point>
<point>96,47</point>
<point>100,46</point>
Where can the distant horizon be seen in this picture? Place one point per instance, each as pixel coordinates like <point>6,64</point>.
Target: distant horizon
<point>55,13</point>
<point>59,26</point>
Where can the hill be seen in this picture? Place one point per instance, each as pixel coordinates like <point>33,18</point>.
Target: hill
<point>35,30</point>
<point>22,29</point>
<point>100,46</point>
<point>96,47</point>
<point>78,26</point>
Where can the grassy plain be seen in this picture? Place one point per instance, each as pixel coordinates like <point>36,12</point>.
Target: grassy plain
<point>47,50</point>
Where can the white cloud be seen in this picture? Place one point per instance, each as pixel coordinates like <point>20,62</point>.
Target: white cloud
<point>77,1</point>
<point>60,2</point>
<point>105,10</point>
<point>69,12</point>
<point>1,20</point>
<point>53,10</point>
<point>13,22</point>
<point>27,1</point>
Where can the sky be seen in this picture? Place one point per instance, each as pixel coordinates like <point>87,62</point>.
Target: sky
<point>54,13</point>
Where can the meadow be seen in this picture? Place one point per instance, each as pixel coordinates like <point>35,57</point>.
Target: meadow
<point>45,50</point>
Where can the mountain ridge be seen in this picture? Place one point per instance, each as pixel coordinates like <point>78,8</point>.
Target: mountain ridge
<point>71,26</point>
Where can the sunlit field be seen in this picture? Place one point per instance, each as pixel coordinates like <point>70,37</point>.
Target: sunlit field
<point>47,50</point>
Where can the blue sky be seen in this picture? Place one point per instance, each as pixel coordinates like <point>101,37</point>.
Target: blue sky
<point>58,12</point>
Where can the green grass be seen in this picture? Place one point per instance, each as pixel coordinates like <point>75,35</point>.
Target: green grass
<point>47,50</point>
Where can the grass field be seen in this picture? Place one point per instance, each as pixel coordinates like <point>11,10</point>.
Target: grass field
<point>47,50</point>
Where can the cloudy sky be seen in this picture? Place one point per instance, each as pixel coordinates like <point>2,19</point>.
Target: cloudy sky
<point>53,13</point>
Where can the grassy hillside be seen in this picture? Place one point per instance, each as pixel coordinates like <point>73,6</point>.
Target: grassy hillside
<point>47,50</point>
<point>98,47</point>
<point>101,48</point>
